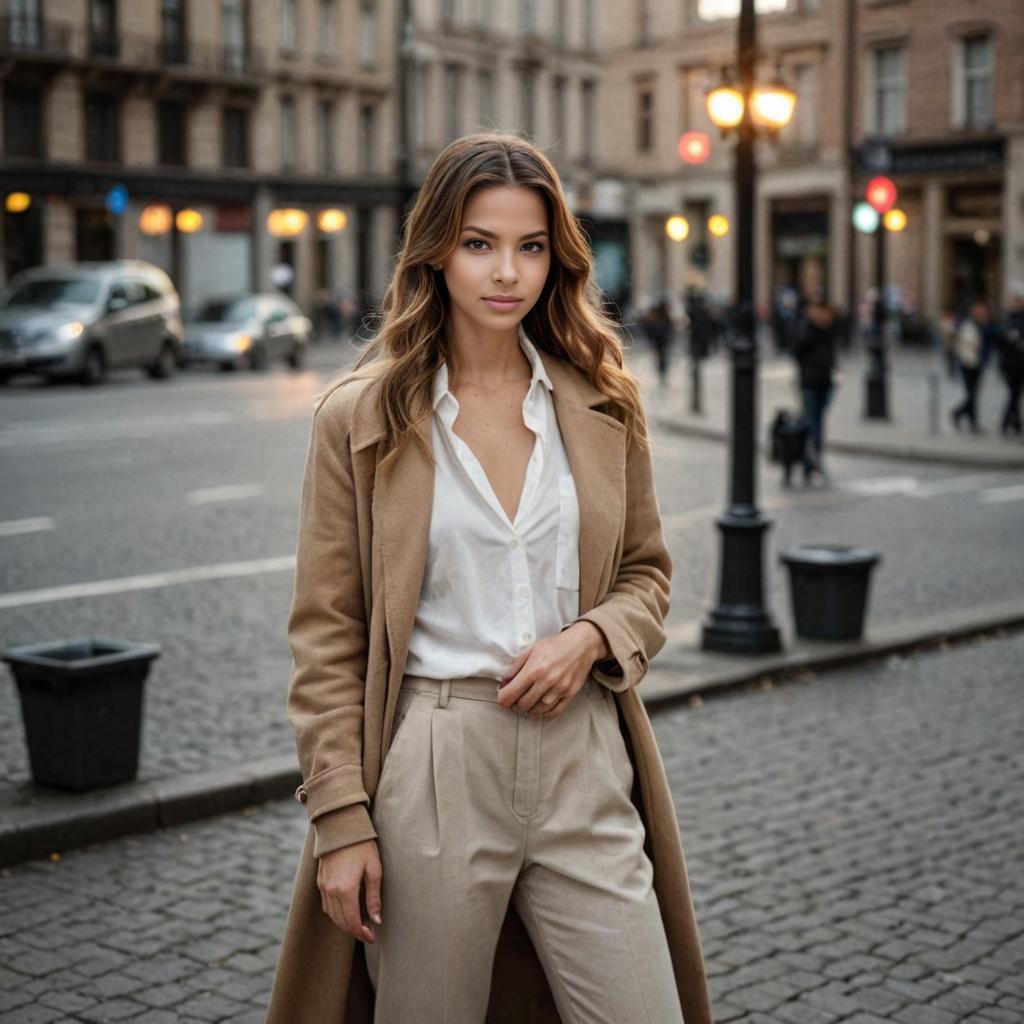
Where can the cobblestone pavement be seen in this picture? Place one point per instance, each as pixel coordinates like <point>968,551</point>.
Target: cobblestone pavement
<point>854,844</point>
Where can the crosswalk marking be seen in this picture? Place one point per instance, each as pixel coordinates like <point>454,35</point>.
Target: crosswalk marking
<point>236,492</point>
<point>995,495</point>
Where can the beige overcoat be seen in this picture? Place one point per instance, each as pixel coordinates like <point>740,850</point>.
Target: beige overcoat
<point>362,546</point>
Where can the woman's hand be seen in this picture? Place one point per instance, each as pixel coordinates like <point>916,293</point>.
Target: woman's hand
<point>339,876</point>
<point>551,672</point>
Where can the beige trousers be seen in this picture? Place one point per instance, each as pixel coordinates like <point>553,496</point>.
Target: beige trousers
<point>478,805</point>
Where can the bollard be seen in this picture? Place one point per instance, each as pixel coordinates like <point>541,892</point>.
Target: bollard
<point>933,402</point>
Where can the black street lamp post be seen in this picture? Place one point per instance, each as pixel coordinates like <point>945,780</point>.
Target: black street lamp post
<point>740,623</point>
<point>876,395</point>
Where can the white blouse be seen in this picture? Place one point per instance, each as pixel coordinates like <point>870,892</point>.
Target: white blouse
<point>492,587</point>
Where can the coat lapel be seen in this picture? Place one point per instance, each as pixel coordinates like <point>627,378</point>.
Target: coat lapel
<point>404,495</point>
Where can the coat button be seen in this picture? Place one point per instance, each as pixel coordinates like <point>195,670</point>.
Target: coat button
<point>301,795</point>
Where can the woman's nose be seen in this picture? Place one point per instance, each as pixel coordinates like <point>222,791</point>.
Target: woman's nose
<point>506,269</point>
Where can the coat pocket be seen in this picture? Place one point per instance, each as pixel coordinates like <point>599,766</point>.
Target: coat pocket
<point>567,557</point>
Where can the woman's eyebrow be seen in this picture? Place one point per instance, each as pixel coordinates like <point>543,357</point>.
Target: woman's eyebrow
<point>491,234</point>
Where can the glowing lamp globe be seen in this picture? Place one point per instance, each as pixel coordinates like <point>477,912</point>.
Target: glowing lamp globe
<point>17,202</point>
<point>694,147</point>
<point>725,106</point>
<point>772,106</point>
<point>718,225</point>
<point>677,228</point>
<point>189,221</point>
<point>156,219</point>
<point>331,222</point>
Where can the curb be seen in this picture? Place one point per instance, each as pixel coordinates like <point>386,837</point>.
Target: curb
<point>681,674</point>
<point>902,452</point>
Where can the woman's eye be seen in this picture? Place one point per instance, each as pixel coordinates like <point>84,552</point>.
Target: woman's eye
<point>473,241</point>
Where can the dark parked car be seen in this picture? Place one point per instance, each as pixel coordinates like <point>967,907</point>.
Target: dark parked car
<point>83,319</point>
<point>248,330</point>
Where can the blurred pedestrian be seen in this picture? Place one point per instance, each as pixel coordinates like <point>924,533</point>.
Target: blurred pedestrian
<point>975,339</point>
<point>466,720</point>
<point>1011,360</point>
<point>947,342</point>
<point>657,325</point>
<point>815,352</point>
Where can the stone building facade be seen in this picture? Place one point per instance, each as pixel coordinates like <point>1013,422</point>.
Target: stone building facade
<point>231,108</point>
<point>236,108</point>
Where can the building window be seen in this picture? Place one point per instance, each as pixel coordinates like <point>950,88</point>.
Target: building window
<point>590,24</point>
<point>367,139</point>
<point>289,142</point>
<point>716,10</point>
<point>24,23</point>
<point>527,17</point>
<point>528,99</point>
<point>368,35</point>
<point>452,101</point>
<point>234,33</point>
<point>172,134</point>
<point>289,28</point>
<point>23,121</point>
<point>485,82</point>
<point>421,103</point>
<point>236,137</point>
<point>325,136</point>
<point>976,82</point>
<point>449,12</point>
<point>645,117</point>
<point>560,110</point>
<point>561,22</point>
<point>693,109</point>
<point>890,91</point>
<point>325,29</point>
<point>643,22</point>
<point>173,37</point>
<point>803,129</point>
<point>588,96</point>
<point>103,38</point>
<point>102,127</point>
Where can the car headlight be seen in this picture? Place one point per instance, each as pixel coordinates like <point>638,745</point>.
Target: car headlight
<point>242,342</point>
<point>61,335</point>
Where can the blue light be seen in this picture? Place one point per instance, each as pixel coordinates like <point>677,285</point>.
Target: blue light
<point>117,200</point>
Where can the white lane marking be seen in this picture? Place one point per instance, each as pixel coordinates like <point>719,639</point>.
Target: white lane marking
<point>28,434</point>
<point>995,495</point>
<point>13,527</point>
<point>207,495</point>
<point>952,485</point>
<point>150,581</point>
<point>882,485</point>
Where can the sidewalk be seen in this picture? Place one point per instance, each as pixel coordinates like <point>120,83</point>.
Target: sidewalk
<point>906,435</point>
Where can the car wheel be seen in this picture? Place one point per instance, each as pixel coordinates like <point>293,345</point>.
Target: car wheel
<point>94,369</point>
<point>166,363</point>
<point>297,359</point>
<point>258,358</point>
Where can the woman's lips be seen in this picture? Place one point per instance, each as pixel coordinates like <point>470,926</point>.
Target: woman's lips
<point>503,305</point>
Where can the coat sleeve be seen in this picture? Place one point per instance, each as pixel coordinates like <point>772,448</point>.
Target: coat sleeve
<point>327,633</point>
<point>632,614</point>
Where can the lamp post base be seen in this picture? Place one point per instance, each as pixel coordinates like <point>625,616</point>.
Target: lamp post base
<point>740,624</point>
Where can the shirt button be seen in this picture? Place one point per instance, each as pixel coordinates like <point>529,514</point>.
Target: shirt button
<point>513,543</point>
<point>527,636</point>
<point>524,591</point>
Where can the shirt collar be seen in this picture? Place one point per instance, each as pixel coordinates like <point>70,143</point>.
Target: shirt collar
<point>440,383</point>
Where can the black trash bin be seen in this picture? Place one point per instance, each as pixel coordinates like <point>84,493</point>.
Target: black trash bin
<point>829,585</point>
<point>81,704</point>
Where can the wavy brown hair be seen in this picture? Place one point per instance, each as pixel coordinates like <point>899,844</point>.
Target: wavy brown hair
<point>567,320</point>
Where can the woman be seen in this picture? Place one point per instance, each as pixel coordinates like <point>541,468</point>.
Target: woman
<point>481,580</point>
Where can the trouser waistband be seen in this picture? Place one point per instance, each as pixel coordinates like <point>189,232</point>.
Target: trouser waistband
<point>474,688</point>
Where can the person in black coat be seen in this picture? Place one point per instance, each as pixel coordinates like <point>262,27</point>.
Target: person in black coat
<point>815,352</point>
<point>1011,361</point>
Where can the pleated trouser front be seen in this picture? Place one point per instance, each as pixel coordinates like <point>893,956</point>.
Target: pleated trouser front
<point>478,805</point>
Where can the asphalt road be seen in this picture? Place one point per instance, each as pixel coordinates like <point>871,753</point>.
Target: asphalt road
<point>853,841</point>
<point>166,512</point>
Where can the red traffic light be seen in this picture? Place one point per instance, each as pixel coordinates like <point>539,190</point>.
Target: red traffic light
<point>881,193</point>
<point>694,147</point>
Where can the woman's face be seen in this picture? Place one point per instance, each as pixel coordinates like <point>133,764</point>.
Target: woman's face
<point>497,270</point>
